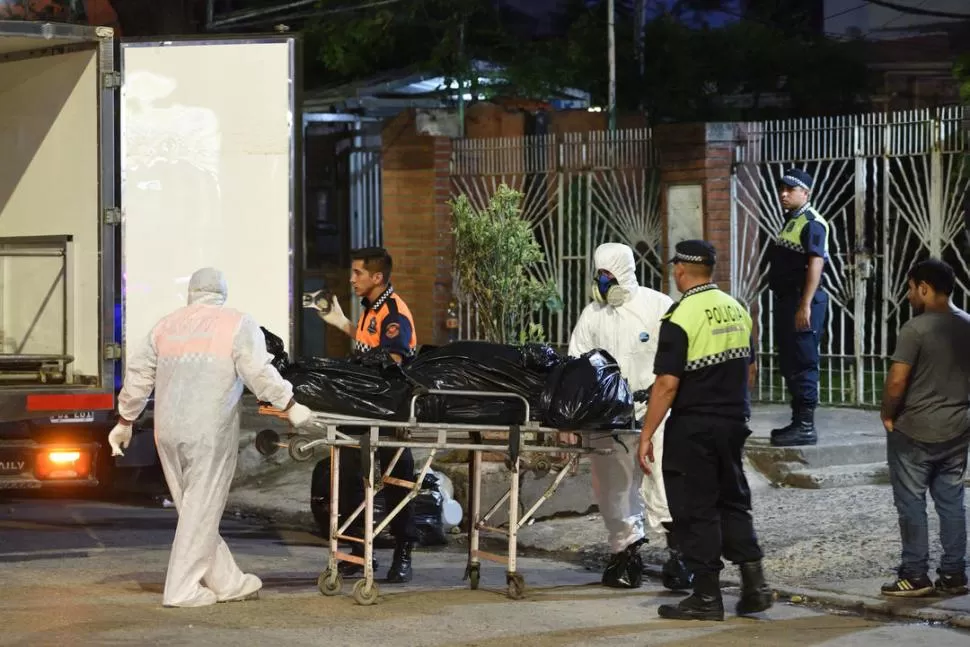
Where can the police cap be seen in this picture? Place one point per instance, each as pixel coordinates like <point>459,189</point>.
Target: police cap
<point>700,252</point>
<point>797,178</point>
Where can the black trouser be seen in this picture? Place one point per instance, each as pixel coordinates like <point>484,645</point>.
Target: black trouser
<point>352,487</point>
<point>708,494</point>
<point>798,350</point>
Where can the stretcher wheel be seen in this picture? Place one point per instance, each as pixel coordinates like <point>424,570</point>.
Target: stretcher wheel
<point>267,442</point>
<point>330,582</point>
<point>364,594</point>
<point>474,576</point>
<point>541,467</point>
<point>516,590</point>
<point>297,449</point>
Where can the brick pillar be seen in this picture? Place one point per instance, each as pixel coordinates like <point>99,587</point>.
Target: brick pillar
<point>417,221</point>
<point>700,154</point>
<point>442,252</point>
<point>717,196</point>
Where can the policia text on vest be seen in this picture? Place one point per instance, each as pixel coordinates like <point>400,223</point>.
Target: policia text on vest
<point>728,313</point>
<point>705,340</point>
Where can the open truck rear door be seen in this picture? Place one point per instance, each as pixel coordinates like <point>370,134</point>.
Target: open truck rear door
<point>210,159</point>
<point>189,151</point>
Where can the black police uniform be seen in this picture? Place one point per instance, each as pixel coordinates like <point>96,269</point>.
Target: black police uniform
<point>804,235</point>
<point>706,341</point>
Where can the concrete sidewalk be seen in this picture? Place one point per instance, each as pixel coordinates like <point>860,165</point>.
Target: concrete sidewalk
<point>833,546</point>
<point>851,449</point>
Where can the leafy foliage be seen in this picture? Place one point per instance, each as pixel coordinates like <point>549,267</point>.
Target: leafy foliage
<point>687,72</point>
<point>495,249</point>
<point>61,10</point>
<point>962,72</point>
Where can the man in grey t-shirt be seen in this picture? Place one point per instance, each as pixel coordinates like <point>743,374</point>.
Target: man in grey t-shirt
<point>926,413</point>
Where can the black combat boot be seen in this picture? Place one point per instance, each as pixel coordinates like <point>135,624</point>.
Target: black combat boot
<point>791,427</point>
<point>803,434</point>
<point>674,574</point>
<point>705,603</point>
<point>350,569</point>
<point>400,571</point>
<point>756,595</point>
<point>625,569</point>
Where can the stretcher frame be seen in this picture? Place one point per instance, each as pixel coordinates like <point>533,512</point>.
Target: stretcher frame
<point>413,434</point>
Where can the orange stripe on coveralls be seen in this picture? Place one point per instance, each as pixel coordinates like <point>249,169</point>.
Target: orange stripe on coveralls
<point>211,336</point>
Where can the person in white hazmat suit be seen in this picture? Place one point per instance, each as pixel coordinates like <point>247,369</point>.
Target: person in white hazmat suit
<point>197,360</point>
<point>624,320</point>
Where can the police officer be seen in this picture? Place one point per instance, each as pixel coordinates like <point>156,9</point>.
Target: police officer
<point>798,256</point>
<point>704,364</point>
<point>386,322</point>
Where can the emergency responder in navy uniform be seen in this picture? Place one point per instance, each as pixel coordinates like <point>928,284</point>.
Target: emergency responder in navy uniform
<point>386,323</point>
<point>798,256</point>
<point>704,365</point>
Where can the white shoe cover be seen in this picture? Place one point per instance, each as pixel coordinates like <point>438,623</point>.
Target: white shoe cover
<point>202,597</point>
<point>250,587</point>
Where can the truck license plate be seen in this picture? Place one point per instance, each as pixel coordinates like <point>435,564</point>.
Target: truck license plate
<point>14,463</point>
<point>73,417</point>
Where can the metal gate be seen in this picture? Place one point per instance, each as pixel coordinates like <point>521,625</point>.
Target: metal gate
<point>581,190</point>
<point>892,187</point>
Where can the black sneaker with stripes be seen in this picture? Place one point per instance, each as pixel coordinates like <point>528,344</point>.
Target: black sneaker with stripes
<point>951,583</point>
<point>909,587</point>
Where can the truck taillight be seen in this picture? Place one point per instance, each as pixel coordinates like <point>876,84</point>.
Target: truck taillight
<point>62,464</point>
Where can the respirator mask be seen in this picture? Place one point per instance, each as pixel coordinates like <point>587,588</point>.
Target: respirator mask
<point>606,290</point>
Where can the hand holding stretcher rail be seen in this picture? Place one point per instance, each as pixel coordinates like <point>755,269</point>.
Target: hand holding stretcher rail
<point>527,438</point>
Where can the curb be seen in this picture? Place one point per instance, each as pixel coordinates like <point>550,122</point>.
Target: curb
<point>862,606</point>
<point>303,520</point>
<point>874,606</point>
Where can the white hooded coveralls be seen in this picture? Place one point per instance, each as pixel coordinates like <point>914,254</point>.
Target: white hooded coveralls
<point>629,332</point>
<point>197,360</point>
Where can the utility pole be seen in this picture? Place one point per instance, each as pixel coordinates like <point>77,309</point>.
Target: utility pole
<point>610,15</point>
<point>461,79</point>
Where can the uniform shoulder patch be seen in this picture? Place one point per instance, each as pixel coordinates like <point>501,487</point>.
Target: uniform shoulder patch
<point>392,330</point>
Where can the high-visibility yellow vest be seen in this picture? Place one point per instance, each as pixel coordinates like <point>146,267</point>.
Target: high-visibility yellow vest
<point>718,327</point>
<point>791,234</point>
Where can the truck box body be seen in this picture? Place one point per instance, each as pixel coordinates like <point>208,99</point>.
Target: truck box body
<point>126,167</point>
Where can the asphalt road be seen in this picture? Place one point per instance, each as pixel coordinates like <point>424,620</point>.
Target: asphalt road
<point>86,572</point>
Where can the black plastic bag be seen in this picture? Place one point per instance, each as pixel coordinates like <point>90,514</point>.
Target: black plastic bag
<point>365,386</point>
<point>482,366</point>
<point>428,508</point>
<point>275,347</point>
<point>320,505</point>
<point>540,358</point>
<point>588,392</point>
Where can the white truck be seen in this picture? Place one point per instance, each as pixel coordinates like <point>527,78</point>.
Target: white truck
<point>126,166</point>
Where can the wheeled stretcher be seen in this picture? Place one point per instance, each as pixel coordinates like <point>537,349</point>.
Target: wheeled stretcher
<point>528,448</point>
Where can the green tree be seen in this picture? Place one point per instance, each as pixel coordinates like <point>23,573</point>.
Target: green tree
<point>423,35</point>
<point>496,254</point>
<point>962,71</point>
<point>681,72</point>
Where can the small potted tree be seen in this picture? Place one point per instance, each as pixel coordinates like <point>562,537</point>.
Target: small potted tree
<point>496,254</point>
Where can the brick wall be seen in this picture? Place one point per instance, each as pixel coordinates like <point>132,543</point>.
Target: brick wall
<point>701,154</point>
<point>484,120</point>
<point>417,222</point>
<point>417,187</point>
